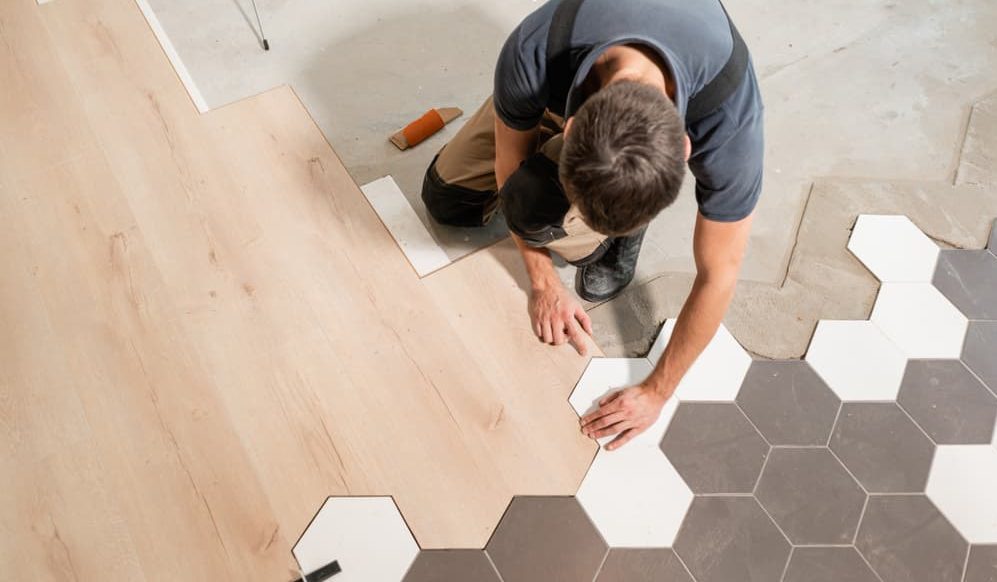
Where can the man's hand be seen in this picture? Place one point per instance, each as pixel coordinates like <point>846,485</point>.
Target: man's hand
<point>625,413</point>
<point>557,317</point>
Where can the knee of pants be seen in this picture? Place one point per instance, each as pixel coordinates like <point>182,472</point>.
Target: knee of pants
<point>454,205</point>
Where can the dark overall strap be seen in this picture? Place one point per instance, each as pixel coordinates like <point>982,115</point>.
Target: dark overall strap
<point>724,84</point>
<point>559,66</point>
<point>709,98</point>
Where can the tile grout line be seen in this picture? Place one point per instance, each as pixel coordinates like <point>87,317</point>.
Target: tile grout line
<point>681,561</point>
<point>605,557</point>
<point>834,424</point>
<point>965,565</point>
<point>871,569</point>
<point>769,515</point>
<point>858,526</point>
<point>789,558</point>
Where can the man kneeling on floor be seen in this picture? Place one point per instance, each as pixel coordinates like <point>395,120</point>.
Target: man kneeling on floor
<point>645,86</point>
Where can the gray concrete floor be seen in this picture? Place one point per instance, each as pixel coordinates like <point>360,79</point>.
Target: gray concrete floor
<point>869,91</point>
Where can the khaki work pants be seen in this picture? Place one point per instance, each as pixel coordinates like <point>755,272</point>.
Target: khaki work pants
<point>460,190</point>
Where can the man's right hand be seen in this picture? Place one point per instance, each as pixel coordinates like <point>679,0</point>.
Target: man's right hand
<point>558,317</point>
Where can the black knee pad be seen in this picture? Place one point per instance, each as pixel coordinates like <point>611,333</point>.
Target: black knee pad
<point>534,203</point>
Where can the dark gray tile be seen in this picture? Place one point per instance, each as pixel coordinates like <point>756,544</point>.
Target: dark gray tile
<point>882,447</point>
<point>451,566</point>
<point>906,539</point>
<point>811,496</point>
<point>788,402</point>
<point>979,349</point>
<point>969,280</point>
<point>714,447</point>
<point>546,539</point>
<point>643,565</point>
<point>982,565</point>
<point>726,539</point>
<point>828,565</point>
<point>993,239</point>
<point>949,403</point>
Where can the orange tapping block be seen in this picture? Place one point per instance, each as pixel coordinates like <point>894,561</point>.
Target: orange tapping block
<point>425,126</point>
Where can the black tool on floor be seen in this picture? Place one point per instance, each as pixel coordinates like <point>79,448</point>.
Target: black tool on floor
<point>323,573</point>
<point>266,44</point>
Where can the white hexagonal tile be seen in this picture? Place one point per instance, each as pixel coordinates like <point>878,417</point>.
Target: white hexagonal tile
<point>366,535</point>
<point>635,497</point>
<point>963,484</point>
<point>856,360</point>
<point>717,374</point>
<point>893,248</point>
<point>919,320</point>
<point>604,376</point>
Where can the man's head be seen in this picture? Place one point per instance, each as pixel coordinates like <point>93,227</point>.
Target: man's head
<point>624,157</point>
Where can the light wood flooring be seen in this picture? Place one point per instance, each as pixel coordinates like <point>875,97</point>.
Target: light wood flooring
<point>205,330</point>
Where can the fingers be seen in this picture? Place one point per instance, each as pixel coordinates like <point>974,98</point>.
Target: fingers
<point>584,319</point>
<point>624,438</point>
<point>609,398</point>
<point>618,428</point>
<point>577,338</point>
<point>603,410</point>
<point>605,421</point>
<point>545,332</point>
<point>558,328</point>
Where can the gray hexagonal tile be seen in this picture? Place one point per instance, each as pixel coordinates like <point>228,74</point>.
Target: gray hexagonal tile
<point>840,564</point>
<point>948,401</point>
<point>979,349</point>
<point>714,447</point>
<point>882,447</point>
<point>642,565</point>
<point>811,496</point>
<point>788,402</point>
<point>452,566</point>
<point>546,539</point>
<point>969,280</point>
<point>982,566</point>
<point>906,539</point>
<point>730,538</point>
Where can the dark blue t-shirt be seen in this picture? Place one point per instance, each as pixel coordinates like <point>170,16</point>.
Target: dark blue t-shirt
<point>693,38</point>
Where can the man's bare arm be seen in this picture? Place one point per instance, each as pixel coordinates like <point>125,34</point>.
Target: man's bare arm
<point>556,316</point>
<point>719,249</point>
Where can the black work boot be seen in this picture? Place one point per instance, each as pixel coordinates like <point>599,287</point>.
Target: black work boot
<point>607,277</point>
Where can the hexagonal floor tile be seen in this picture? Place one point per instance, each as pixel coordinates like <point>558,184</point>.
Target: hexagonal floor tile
<point>366,535</point>
<point>906,539</point>
<point>893,248</point>
<point>546,539</point>
<point>949,402</point>
<point>828,565</point>
<point>969,280</point>
<point>717,373</point>
<point>715,448</point>
<point>788,403</point>
<point>882,447</point>
<point>642,565</point>
<point>963,484</point>
<point>634,497</point>
<point>811,496</point>
<point>919,320</point>
<point>979,349</point>
<point>857,360</point>
<point>730,538</point>
<point>604,376</point>
<point>982,565</point>
<point>452,566</point>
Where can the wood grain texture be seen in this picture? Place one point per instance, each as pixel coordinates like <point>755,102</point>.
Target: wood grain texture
<point>205,330</point>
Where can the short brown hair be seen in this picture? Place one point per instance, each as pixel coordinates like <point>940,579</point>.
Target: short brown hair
<point>624,159</point>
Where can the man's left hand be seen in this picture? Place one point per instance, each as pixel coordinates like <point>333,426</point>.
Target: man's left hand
<point>625,413</point>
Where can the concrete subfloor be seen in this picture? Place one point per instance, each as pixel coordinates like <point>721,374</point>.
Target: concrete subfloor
<point>877,94</point>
